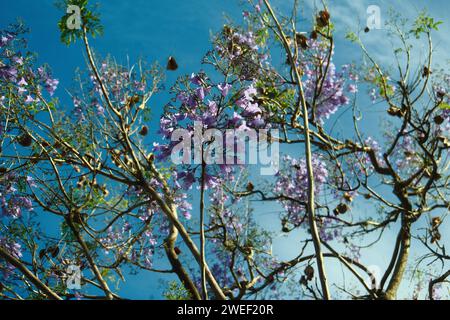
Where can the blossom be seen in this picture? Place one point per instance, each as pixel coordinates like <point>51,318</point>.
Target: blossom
<point>196,79</point>
<point>224,88</point>
<point>22,82</point>
<point>352,88</point>
<point>29,99</point>
<point>293,181</point>
<point>51,85</point>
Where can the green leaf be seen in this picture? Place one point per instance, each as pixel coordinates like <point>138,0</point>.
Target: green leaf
<point>444,106</point>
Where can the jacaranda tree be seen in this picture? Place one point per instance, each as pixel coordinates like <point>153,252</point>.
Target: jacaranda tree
<point>101,173</point>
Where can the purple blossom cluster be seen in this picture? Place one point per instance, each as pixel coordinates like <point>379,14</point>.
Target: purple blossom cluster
<point>328,93</point>
<point>12,203</point>
<point>17,72</point>
<point>15,250</point>
<point>123,83</point>
<point>292,181</point>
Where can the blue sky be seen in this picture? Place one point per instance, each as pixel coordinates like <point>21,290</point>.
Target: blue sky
<point>155,30</point>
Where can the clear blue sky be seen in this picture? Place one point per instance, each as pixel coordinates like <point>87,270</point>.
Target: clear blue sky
<point>156,29</point>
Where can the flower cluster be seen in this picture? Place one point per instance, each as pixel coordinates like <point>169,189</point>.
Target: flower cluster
<point>330,92</point>
<point>292,181</point>
<point>17,72</point>
<point>11,202</point>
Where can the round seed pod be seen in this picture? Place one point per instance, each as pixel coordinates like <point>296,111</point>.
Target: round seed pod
<point>25,140</point>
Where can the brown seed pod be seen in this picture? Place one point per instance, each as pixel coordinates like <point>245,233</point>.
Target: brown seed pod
<point>25,140</point>
<point>426,72</point>
<point>438,119</point>
<point>323,19</point>
<point>314,35</point>
<point>144,131</point>
<point>301,40</point>
<point>172,64</point>
<point>250,187</point>
<point>395,112</point>
<point>309,272</point>
<point>341,208</point>
<point>435,222</point>
<point>42,253</point>
<point>177,250</point>
<point>54,251</point>
<point>348,197</point>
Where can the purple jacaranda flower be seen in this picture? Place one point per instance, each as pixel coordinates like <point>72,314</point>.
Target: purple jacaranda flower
<point>250,92</point>
<point>236,120</point>
<point>187,178</point>
<point>126,227</point>
<point>252,109</point>
<point>29,99</point>
<point>224,88</point>
<point>196,79</point>
<point>184,207</point>
<point>30,182</point>
<point>212,106</point>
<point>22,82</point>
<point>12,247</point>
<point>8,73</point>
<point>18,60</point>
<point>51,85</point>
<point>257,122</point>
<point>21,90</point>
<point>352,88</point>
<point>6,40</point>
<point>162,151</point>
<point>100,111</point>
<point>200,92</point>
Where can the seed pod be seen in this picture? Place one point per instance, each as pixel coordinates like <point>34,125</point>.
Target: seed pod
<point>314,35</point>
<point>395,112</point>
<point>54,251</point>
<point>341,208</point>
<point>177,250</point>
<point>250,187</point>
<point>438,119</point>
<point>144,131</point>
<point>348,197</point>
<point>309,272</point>
<point>172,64</point>
<point>426,72</point>
<point>435,222</point>
<point>25,140</point>
<point>42,253</point>
<point>323,19</point>
<point>301,40</point>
